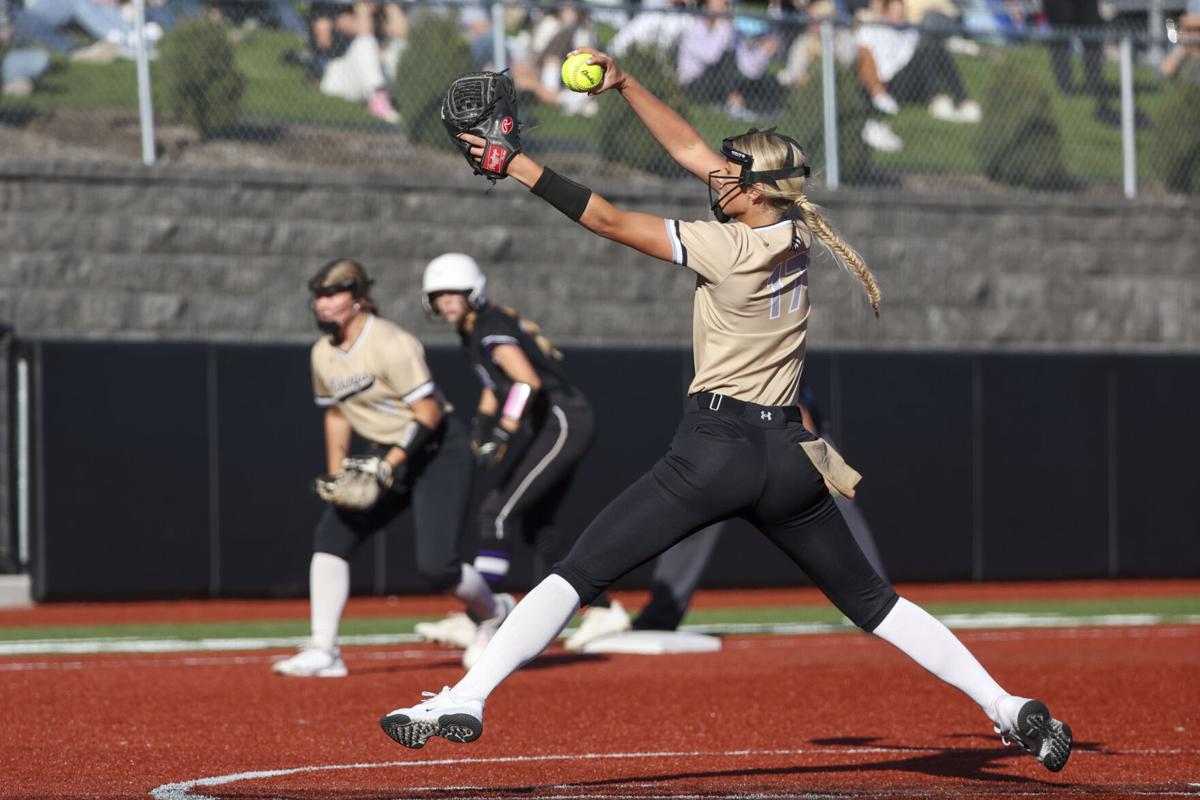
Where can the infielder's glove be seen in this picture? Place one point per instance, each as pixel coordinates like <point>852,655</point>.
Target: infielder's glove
<point>481,429</point>
<point>500,447</point>
<point>360,484</point>
<point>485,104</point>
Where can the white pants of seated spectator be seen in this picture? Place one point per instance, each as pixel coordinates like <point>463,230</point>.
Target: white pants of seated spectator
<point>357,74</point>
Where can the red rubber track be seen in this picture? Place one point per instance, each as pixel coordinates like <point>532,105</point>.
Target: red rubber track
<point>840,715</point>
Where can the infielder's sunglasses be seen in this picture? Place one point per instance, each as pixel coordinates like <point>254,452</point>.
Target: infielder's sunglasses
<point>347,285</point>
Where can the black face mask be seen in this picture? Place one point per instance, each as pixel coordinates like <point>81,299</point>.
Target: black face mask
<point>333,329</point>
<point>749,177</point>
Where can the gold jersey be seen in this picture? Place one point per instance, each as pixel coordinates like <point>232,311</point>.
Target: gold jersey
<point>750,307</point>
<point>375,382</point>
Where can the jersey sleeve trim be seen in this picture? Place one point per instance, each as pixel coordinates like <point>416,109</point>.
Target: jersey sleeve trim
<point>495,340</point>
<point>484,377</point>
<point>678,251</point>
<point>325,402</point>
<point>424,390</point>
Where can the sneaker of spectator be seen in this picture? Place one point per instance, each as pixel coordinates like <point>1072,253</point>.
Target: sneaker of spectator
<point>880,136</point>
<point>735,107</point>
<point>18,87</point>
<point>963,47</point>
<point>380,107</point>
<point>887,104</point>
<point>943,108</point>
<point>104,51</point>
<point>969,112</point>
<point>20,68</point>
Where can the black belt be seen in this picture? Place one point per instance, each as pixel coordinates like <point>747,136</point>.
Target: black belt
<point>724,404</point>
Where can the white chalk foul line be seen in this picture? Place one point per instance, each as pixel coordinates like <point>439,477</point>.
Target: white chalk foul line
<point>125,644</point>
<point>183,790</point>
<point>133,644</point>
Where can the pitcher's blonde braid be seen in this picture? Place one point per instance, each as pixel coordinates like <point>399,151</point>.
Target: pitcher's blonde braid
<point>846,255</point>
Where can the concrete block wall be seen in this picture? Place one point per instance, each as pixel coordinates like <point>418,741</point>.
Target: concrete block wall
<point>189,252</point>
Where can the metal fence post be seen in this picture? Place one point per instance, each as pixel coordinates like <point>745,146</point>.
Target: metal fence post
<point>1128,146</point>
<point>1155,25</point>
<point>499,52</point>
<point>145,103</point>
<point>829,99</point>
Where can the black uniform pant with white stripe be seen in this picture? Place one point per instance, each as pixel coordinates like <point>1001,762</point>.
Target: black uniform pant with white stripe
<point>719,467</point>
<point>438,487</point>
<point>527,502</point>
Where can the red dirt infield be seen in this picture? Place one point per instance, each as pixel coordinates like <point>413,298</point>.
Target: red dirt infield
<point>840,715</point>
<point>106,613</point>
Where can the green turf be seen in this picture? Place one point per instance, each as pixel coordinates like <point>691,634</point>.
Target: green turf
<point>1170,608</point>
<point>280,92</point>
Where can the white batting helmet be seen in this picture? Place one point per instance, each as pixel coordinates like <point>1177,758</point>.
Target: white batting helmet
<point>453,272</point>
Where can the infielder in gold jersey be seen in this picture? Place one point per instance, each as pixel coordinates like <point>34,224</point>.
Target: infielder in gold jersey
<point>370,376</point>
<point>742,449</point>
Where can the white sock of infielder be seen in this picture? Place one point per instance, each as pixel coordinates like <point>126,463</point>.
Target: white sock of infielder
<point>529,629</point>
<point>927,641</point>
<point>475,593</point>
<point>328,590</point>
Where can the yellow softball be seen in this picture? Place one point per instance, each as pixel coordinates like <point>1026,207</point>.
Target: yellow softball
<point>580,76</point>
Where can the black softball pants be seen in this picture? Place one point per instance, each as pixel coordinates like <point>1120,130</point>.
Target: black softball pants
<point>930,71</point>
<point>527,502</point>
<point>437,486</point>
<point>718,467</point>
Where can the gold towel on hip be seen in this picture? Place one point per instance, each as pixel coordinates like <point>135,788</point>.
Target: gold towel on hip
<point>833,468</point>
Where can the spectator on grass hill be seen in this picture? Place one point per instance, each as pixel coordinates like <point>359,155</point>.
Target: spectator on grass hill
<point>537,68</point>
<point>20,68</point>
<point>758,93</point>
<point>347,59</point>
<point>1183,62</point>
<point>659,25</point>
<point>47,22</point>
<point>723,60</point>
<point>1074,14</point>
<point>706,53</point>
<point>280,14</point>
<point>897,64</point>
<point>805,49</point>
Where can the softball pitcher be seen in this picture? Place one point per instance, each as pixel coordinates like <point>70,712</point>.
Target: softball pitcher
<point>530,430</point>
<point>370,376</point>
<point>742,449</point>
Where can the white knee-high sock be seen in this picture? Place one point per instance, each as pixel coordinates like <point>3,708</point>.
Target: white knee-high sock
<point>927,641</point>
<point>529,629</point>
<point>475,593</point>
<point>328,590</point>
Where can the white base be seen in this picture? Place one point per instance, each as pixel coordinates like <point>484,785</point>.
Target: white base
<point>15,591</point>
<point>654,643</point>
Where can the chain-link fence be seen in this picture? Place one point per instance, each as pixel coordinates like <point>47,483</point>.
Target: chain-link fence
<point>978,95</point>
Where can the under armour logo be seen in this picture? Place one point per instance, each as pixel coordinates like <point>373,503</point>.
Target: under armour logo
<point>765,415</point>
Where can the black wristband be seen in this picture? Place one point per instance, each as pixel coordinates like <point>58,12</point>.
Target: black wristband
<point>566,195</point>
<point>418,437</point>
